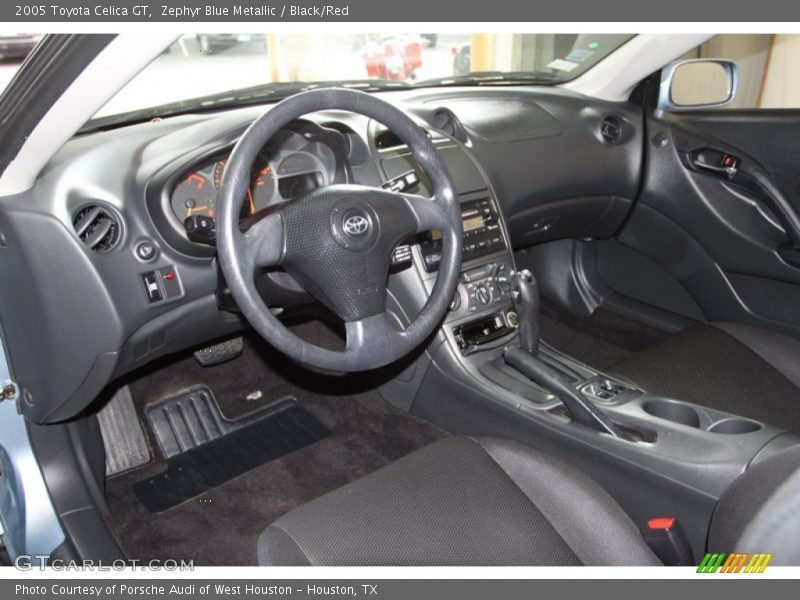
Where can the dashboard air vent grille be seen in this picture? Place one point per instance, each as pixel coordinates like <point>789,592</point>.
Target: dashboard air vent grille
<point>446,122</point>
<point>97,227</point>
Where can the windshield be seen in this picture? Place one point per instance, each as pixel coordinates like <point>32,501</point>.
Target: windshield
<point>203,65</point>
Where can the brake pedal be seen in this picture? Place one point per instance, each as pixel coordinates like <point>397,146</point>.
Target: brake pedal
<point>220,353</point>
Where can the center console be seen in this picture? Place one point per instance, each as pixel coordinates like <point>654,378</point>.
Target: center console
<point>481,311</point>
<point>656,457</point>
<point>483,234</point>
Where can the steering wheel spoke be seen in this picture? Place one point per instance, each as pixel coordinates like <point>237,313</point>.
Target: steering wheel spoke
<point>374,334</point>
<point>264,241</point>
<point>430,213</point>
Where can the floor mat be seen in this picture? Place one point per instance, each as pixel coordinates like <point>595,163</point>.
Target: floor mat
<point>599,340</point>
<point>208,450</point>
<point>221,526</point>
<point>193,418</point>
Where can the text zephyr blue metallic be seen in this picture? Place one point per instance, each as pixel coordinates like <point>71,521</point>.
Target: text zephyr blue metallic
<point>266,10</point>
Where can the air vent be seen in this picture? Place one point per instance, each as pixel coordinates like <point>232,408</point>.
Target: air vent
<point>97,227</point>
<point>446,122</point>
<point>611,130</point>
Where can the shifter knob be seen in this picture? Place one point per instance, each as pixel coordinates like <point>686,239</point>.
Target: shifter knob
<point>525,295</point>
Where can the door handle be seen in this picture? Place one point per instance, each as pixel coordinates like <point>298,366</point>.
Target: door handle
<point>752,177</point>
<point>716,162</point>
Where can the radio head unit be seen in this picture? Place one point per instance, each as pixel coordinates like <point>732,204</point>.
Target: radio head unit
<point>480,222</point>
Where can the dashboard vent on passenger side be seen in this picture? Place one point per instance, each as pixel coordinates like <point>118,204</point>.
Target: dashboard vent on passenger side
<point>446,121</point>
<point>611,130</point>
<point>97,227</point>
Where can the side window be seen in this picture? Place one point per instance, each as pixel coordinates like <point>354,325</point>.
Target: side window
<point>768,67</point>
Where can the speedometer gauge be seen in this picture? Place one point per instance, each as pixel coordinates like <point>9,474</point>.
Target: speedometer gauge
<point>194,195</point>
<point>261,190</point>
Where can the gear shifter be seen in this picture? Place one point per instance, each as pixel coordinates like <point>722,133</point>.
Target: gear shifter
<point>525,295</point>
<point>525,359</point>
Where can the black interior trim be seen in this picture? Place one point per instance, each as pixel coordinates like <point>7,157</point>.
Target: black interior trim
<point>72,460</point>
<point>48,71</point>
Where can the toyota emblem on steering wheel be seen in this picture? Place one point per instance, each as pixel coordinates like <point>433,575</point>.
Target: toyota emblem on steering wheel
<point>355,225</point>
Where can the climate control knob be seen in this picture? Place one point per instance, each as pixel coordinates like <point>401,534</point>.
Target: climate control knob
<point>483,295</point>
<point>503,280</point>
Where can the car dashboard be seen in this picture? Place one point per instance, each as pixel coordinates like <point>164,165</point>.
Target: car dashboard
<point>119,226</point>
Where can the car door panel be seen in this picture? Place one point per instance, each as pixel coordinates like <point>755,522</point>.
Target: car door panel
<point>732,248</point>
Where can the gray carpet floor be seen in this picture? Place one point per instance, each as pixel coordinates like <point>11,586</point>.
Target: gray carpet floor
<point>221,526</point>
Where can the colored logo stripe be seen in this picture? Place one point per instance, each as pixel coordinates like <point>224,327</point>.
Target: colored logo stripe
<point>711,562</point>
<point>758,563</point>
<point>734,562</point>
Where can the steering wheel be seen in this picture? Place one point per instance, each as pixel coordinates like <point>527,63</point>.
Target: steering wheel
<point>337,241</point>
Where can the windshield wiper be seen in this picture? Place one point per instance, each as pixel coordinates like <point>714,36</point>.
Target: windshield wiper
<point>258,94</point>
<point>492,78</point>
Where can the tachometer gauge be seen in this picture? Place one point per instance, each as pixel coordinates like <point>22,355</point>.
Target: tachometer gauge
<point>195,194</point>
<point>219,167</point>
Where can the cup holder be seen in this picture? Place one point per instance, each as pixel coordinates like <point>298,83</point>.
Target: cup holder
<point>673,411</point>
<point>684,414</point>
<point>735,426</point>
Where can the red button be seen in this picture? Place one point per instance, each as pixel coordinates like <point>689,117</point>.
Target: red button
<point>661,523</point>
<point>170,275</point>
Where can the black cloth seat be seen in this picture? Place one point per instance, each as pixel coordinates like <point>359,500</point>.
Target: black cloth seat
<point>489,501</point>
<point>734,368</point>
<point>461,501</point>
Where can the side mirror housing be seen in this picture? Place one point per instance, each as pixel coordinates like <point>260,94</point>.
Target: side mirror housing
<point>697,84</point>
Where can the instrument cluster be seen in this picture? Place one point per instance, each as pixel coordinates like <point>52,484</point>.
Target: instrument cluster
<point>275,177</point>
